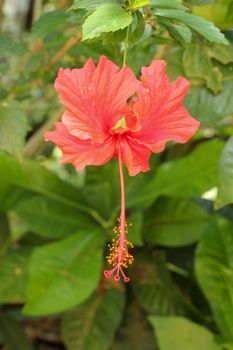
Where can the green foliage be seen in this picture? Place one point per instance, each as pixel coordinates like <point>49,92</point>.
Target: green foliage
<point>166,224</point>
<point>115,18</point>
<point>12,118</point>
<point>12,333</point>
<point>84,326</point>
<point>9,47</point>
<point>55,223</point>
<point>192,336</point>
<point>225,176</point>
<point>198,24</point>
<point>70,268</point>
<point>214,273</point>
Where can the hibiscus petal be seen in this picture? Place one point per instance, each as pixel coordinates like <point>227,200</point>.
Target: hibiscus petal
<point>80,152</point>
<point>159,109</point>
<point>95,97</point>
<point>134,156</point>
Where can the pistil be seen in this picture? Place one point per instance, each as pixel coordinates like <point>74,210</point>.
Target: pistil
<point>119,255</point>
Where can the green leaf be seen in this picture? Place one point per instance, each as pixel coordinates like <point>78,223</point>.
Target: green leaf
<point>12,334</point>
<point>181,33</point>
<point>214,271</point>
<point>93,324</point>
<point>50,218</point>
<point>221,53</point>
<point>153,286</point>
<point>135,231</point>
<point>167,4</point>
<point>197,64</point>
<point>9,47</point>
<point>31,176</point>
<point>13,276</point>
<point>64,274</point>
<point>189,176</point>
<point>49,23</point>
<point>106,18</point>
<point>135,332</point>
<point>139,3</point>
<point>225,176</point>
<point>174,222</point>
<point>13,128</point>
<point>219,12</point>
<point>90,4</point>
<point>200,25</point>
<point>178,333</point>
<point>210,110</point>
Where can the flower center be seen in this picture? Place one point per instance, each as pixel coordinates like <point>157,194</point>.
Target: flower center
<point>121,126</point>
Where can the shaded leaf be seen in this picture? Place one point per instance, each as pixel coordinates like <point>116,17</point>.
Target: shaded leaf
<point>153,286</point>
<point>189,176</point>
<point>214,271</point>
<point>50,218</point>
<point>49,22</point>
<point>181,33</point>
<point>167,4</point>
<point>9,47</point>
<point>92,325</point>
<point>13,276</point>
<point>90,4</point>
<point>30,176</point>
<point>13,128</point>
<point>174,222</point>
<point>222,53</point>
<point>115,18</point>
<point>209,109</point>
<point>179,333</point>
<point>200,25</point>
<point>135,231</point>
<point>225,176</point>
<point>135,332</point>
<point>197,64</point>
<point>63,274</point>
<point>12,334</point>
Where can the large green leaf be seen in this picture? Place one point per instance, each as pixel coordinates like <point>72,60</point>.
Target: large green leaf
<point>49,22</point>
<point>180,32</point>
<point>135,332</point>
<point>199,24</point>
<point>189,176</point>
<point>197,64</point>
<point>174,222</point>
<point>13,276</point>
<point>219,11</point>
<point>12,334</point>
<point>178,333</point>
<point>153,286</point>
<point>9,47</point>
<point>63,274</point>
<point>92,325</point>
<point>214,271</point>
<point>114,16</point>
<point>225,176</point>
<point>167,4</point>
<point>90,4</point>
<point>210,110</point>
<point>30,176</point>
<point>50,218</point>
<point>13,128</point>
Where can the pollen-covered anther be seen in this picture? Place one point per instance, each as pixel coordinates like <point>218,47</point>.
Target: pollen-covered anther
<point>119,256</point>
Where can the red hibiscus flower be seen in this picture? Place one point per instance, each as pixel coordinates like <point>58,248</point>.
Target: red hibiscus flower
<point>110,114</point>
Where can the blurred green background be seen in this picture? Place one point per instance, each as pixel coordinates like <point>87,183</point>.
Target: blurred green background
<point>55,224</point>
